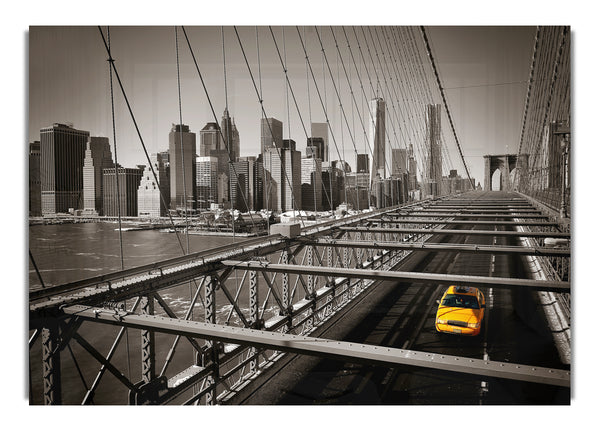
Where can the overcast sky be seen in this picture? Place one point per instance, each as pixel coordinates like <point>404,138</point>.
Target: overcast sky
<point>484,70</point>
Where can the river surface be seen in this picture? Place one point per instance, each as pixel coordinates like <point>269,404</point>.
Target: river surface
<point>70,252</point>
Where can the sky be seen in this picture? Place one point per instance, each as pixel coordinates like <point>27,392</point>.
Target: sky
<point>484,70</point>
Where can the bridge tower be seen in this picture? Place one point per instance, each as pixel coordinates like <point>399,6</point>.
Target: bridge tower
<point>506,163</point>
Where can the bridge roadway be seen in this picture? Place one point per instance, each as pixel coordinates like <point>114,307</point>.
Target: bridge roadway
<point>396,315</point>
<point>401,315</point>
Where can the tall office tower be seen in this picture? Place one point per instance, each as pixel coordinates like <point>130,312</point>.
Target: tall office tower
<point>288,144</point>
<point>377,137</point>
<point>182,162</point>
<point>252,180</point>
<point>222,157</point>
<point>97,157</point>
<point>240,184</point>
<point>291,193</point>
<point>210,139</point>
<point>127,198</point>
<point>62,150</point>
<point>165,188</point>
<point>333,187</point>
<point>273,177</point>
<point>312,184</point>
<point>222,188</point>
<point>150,203</point>
<point>206,181</point>
<point>315,147</point>
<point>35,191</point>
<point>259,180</point>
<point>321,130</point>
<point>235,141</point>
<point>399,159</point>
<point>412,169</point>
<point>433,160</point>
<point>271,133</point>
<point>362,163</point>
<point>231,136</point>
<point>342,165</point>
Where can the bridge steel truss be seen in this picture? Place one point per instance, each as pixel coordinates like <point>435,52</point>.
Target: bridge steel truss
<point>307,280</point>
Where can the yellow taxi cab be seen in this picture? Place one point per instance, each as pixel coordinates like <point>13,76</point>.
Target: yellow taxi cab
<point>460,311</point>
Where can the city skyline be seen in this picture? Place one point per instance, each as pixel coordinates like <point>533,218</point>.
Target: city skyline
<point>150,75</point>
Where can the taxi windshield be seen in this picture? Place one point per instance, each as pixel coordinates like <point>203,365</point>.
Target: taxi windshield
<point>462,301</point>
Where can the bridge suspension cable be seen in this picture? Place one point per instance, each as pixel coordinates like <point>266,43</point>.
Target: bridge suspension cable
<point>261,102</point>
<point>227,141</point>
<point>430,55</point>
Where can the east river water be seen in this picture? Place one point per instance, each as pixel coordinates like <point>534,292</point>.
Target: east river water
<point>71,252</point>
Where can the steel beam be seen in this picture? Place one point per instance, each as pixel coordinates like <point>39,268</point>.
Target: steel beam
<point>476,216</point>
<point>339,350</point>
<point>473,222</point>
<point>461,248</point>
<point>462,210</point>
<point>475,281</point>
<point>458,232</point>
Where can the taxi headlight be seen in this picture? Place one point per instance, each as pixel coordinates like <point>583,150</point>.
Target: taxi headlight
<point>442,321</point>
<point>474,325</point>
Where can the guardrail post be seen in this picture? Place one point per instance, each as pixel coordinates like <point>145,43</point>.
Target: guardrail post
<point>148,343</point>
<point>210,316</point>
<point>253,298</point>
<point>51,363</point>
<point>285,279</point>
<point>311,285</point>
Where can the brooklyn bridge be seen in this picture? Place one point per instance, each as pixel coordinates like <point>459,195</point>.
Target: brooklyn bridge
<point>332,298</point>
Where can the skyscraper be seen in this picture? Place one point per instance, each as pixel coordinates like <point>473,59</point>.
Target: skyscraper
<point>315,147</point>
<point>127,198</point>
<point>273,172</point>
<point>321,130</point>
<point>210,139</point>
<point>182,162</point>
<point>312,184</point>
<point>282,169</point>
<point>399,159</point>
<point>206,181</point>
<point>62,150</point>
<point>412,169</point>
<point>231,136</point>
<point>150,203</point>
<point>241,180</point>
<point>433,160</point>
<point>97,157</point>
<point>271,133</point>
<point>292,186</point>
<point>377,137</point>
<point>35,191</point>
<point>362,163</point>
